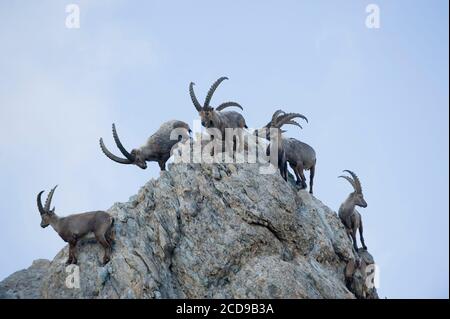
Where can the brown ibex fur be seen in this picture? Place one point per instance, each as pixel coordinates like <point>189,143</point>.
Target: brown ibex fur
<point>158,148</point>
<point>299,155</point>
<point>74,227</point>
<point>214,118</point>
<point>349,216</point>
<point>287,153</point>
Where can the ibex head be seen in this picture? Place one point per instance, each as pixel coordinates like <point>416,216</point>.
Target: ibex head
<point>357,195</point>
<point>279,118</point>
<point>134,157</point>
<point>208,113</point>
<point>45,211</point>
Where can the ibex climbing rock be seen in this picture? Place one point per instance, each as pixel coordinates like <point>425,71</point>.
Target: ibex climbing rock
<point>215,117</point>
<point>74,227</point>
<point>299,155</point>
<point>349,216</point>
<point>279,118</point>
<point>356,274</point>
<point>158,148</point>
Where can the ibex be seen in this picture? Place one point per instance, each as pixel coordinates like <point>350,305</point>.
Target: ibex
<point>349,216</point>
<point>158,148</point>
<point>74,227</point>
<point>214,117</point>
<point>279,118</point>
<point>299,155</point>
<point>361,287</point>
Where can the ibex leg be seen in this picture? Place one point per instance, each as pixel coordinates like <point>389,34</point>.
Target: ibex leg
<point>361,235</point>
<point>297,176</point>
<point>312,171</point>
<point>102,240</point>
<point>72,253</point>
<point>162,165</point>
<point>353,234</point>
<point>300,169</point>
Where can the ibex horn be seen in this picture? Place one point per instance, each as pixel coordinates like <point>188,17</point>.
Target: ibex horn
<point>48,202</point>
<point>358,187</point>
<point>120,146</point>
<point>274,116</point>
<point>292,122</point>
<point>39,203</point>
<point>112,156</point>
<point>283,119</point>
<point>349,180</point>
<point>228,104</point>
<point>197,104</point>
<point>211,91</point>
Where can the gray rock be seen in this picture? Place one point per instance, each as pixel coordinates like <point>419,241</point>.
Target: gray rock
<point>26,283</point>
<point>207,231</point>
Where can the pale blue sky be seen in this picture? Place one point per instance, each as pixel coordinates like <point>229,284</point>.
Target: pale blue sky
<point>377,101</point>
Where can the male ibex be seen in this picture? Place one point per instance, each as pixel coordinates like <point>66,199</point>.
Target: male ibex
<point>349,216</point>
<point>356,274</point>
<point>299,155</point>
<point>279,118</point>
<point>214,117</point>
<point>74,227</point>
<point>158,148</point>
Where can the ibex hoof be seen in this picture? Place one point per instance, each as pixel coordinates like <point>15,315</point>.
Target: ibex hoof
<point>105,260</point>
<point>365,247</point>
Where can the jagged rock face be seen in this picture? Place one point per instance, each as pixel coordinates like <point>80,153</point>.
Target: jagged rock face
<point>213,231</point>
<point>26,283</point>
<point>363,274</point>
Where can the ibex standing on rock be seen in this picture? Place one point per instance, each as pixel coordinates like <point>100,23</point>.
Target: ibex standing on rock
<point>349,216</point>
<point>279,118</point>
<point>74,227</point>
<point>299,155</point>
<point>158,148</point>
<point>214,117</point>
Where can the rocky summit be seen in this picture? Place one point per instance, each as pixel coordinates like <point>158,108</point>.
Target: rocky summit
<point>209,231</point>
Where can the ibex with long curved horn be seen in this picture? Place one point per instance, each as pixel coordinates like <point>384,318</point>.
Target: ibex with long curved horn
<point>279,118</point>
<point>158,148</point>
<point>299,155</point>
<point>74,227</point>
<point>349,216</point>
<point>214,117</point>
